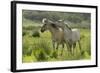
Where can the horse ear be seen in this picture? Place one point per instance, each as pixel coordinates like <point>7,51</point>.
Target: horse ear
<point>44,20</point>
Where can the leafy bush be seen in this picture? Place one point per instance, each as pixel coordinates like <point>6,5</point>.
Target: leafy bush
<point>27,51</point>
<point>54,54</point>
<point>23,33</point>
<point>27,46</point>
<point>40,55</point>
<point>35,34</point>
<point>42,50</point>
<point>30,27</point>
<point>53,15</point>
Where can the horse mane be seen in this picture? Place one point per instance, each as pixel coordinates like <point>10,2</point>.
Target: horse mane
<point>68,27</point>
<point>54,26</point>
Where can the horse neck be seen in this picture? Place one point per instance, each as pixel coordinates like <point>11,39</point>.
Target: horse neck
<point>68,31</point>
<point>52,30</point>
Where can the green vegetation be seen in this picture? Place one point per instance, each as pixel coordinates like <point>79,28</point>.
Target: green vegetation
<point>36,49</point>
<point>37,46</point>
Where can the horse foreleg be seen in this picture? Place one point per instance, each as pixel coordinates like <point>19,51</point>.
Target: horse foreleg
<point>74,45</point>
<point>53,43</point>
<point>62,49</point>
<point>57,48</point>
<point>68,47</point>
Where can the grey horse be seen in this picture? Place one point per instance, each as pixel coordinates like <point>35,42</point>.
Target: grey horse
<point>71,36</point>
<point>56,33</point>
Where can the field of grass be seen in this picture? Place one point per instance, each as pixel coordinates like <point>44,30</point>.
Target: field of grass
<point>37,47</point>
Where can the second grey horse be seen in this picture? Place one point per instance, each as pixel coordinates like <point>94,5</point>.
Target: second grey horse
<point>71,36</point>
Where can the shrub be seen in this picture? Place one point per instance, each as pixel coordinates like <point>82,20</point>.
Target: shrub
<point>35,34</point>
<point>30,27</point>
<point>40,55</point>
<point>27,46</point>
<point>42,50</point>
<point>54,54</point>
<point>27,50</point>
<point>23,33</point>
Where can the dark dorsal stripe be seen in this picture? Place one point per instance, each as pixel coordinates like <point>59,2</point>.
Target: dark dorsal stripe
<point>68,27</point>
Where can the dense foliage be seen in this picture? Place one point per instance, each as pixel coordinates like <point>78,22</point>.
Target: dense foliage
<point>81,19</point>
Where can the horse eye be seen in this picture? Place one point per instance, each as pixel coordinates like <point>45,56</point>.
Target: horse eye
<point>44,25</point>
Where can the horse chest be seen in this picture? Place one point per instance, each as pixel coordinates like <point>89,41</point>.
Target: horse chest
<point>58,36</point>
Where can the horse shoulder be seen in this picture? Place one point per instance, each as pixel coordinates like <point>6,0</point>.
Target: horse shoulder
<point>59,35</point>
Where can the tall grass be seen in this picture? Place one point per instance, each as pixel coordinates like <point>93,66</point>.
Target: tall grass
<point>39,49</point>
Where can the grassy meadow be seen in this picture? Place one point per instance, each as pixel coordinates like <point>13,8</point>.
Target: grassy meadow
<point>37,46</point>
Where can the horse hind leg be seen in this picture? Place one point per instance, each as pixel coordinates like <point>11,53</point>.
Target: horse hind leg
<point>57,46</point>
<point>53,43</point>
<point>71,48</point>
<point>80,46</point>
<point>74,46</point>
